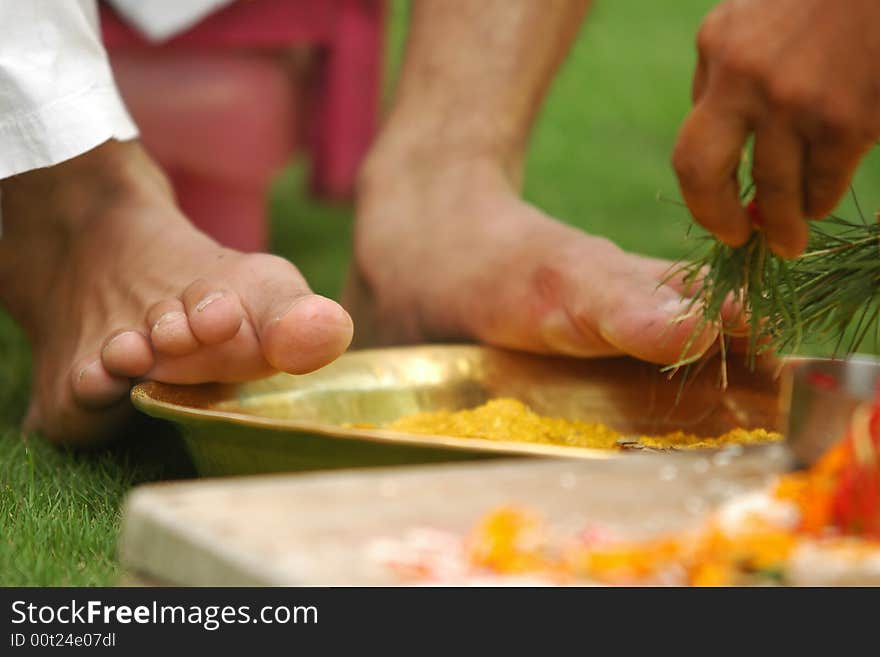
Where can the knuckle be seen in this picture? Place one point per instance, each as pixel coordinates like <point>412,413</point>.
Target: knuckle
<point>687,168</point>
<point>837,116</point>
<point>789,94</point>
<point>712,32</point>
<point>746,63</point>
<point>699,172</point>
<point>705,43</point>
<point>708,39</point>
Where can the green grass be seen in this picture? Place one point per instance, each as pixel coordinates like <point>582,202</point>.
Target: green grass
<point>599,157</point>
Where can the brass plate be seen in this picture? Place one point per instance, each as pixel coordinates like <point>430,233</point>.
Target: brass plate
<point>294,423</point>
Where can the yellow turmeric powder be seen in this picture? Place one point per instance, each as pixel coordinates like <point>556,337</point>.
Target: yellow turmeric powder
<point>510,419</point>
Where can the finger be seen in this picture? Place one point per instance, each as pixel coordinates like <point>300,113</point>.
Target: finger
<point>706,159</point>
<point>710,37</point>
<point>700,82</point>
<point>830,166</point>
<point>778,176</point>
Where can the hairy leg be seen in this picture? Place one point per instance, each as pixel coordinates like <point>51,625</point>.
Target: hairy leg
<point>444,246</point>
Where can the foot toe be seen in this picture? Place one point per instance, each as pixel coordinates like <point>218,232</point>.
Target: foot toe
<point>661,327</point>
<point>127,354</point>
<point>215,313</point>
<point>312,332</point>
<point>95,388</point>
<point>170,332</point>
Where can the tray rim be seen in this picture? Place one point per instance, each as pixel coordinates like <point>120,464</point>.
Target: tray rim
<point>146,402</point>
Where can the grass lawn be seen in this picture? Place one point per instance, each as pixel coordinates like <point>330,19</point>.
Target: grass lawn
<point>598,159</point>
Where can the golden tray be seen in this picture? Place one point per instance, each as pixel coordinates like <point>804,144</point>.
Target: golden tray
<point>295,423</point>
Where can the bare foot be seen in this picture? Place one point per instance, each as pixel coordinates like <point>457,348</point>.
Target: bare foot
<point>455,254</point>
<point>112,284</point>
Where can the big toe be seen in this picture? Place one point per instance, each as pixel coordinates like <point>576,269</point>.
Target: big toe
<point>298,331</point>
<point>312,332</point>
<point>660,327</point>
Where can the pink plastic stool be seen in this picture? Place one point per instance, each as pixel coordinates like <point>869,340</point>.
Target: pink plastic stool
<point>225,104</point>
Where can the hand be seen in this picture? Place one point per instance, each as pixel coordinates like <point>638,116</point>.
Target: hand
<point>804,77</point>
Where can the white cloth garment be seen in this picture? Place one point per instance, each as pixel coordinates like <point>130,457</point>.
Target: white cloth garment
<point>57,94</point>
<point>161,19</point>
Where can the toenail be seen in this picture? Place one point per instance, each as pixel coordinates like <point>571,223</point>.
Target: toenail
<point>281,315</point>
<point>679,307</point>
<point>115,338</point>
<point>84,371</point>
<point>166,317</point>
<point>308,298</point>
<point>208,300</point>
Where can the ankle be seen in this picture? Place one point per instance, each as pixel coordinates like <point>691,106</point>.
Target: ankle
<point>391,167</point>
<point>65,199</point>
<point>57,216</point>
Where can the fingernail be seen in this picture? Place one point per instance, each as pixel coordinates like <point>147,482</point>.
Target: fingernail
<point>208,300</point>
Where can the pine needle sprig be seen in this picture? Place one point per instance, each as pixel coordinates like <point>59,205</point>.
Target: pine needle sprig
<point>838,284</point>
<point>830,294</point>
<point>731,290</point>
